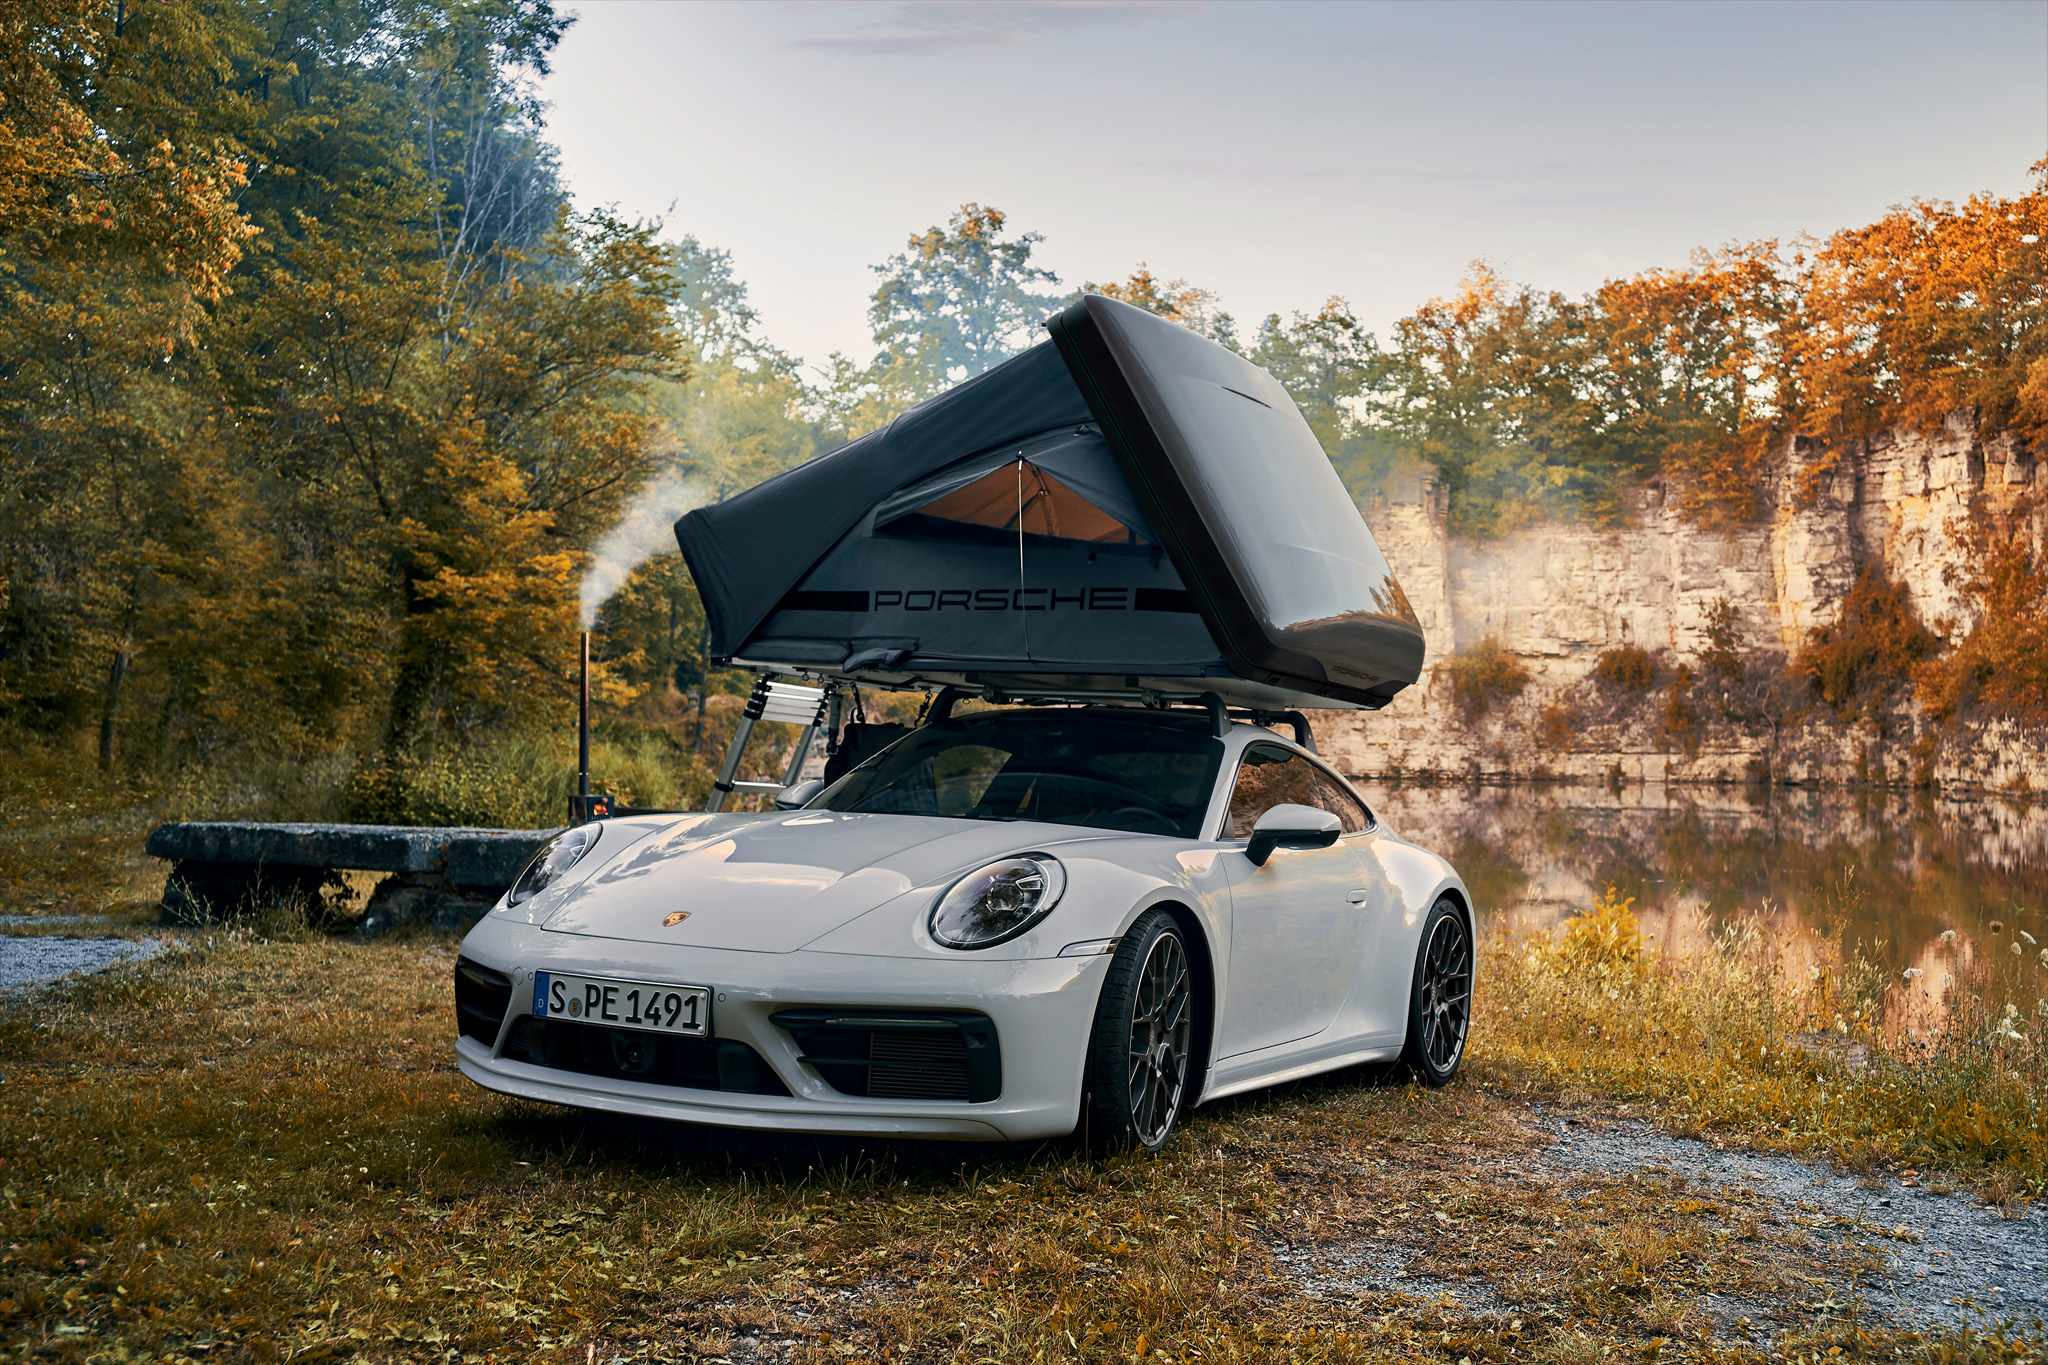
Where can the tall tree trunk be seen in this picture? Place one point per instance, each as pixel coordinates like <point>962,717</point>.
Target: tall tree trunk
<point>115,677</point>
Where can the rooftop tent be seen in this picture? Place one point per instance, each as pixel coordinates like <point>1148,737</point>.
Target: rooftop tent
<point>1086,517</point>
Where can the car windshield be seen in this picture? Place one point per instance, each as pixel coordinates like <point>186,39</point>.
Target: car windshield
<point>1144,772</point>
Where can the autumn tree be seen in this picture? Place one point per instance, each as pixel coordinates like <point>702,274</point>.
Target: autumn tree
<point>315,392</point>
<point>1176,300</point>
<point>1935,306</point>
<point>118,232</point>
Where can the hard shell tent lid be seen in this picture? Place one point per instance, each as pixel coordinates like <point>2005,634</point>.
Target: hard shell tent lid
<point>1130,506</point>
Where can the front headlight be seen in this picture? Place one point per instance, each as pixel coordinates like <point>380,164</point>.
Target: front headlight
<point>996,903</point>
<point>552,863</point>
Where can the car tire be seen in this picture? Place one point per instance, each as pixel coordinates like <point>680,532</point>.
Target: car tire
<point>1440,998</point>
<point>1138,1082</point>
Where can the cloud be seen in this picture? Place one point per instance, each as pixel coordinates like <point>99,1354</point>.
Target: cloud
<point>922,26</point>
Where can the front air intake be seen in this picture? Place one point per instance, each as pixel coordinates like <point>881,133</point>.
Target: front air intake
<point>634,1055</point>
<point>899,1055</point>
<point>482,996</point>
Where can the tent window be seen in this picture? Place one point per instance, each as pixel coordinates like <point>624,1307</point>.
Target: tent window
<point>1047,507</point>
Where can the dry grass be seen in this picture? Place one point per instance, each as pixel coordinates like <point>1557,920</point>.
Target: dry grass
<point>259,1150</point>
<point>1724,1038</point>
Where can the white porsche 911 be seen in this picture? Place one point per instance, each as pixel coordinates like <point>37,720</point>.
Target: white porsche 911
<point>1001,927</point>
<point>1096,910</point>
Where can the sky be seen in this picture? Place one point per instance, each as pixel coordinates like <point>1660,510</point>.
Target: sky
<point>1278,153</point>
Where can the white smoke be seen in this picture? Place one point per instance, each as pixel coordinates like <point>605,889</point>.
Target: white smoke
<point>646,528</point>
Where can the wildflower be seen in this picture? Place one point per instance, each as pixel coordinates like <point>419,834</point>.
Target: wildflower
<point>2044,956</point>
<point>1948,936</point>
<point>1813,973</point>
<point>1913,973</point>
<point>2028,937</point>
<point>1998,926</point>
<point>2017,950</point>
<point>2012,1011</point>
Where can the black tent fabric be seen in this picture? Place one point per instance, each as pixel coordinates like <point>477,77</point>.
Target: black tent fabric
<point>749,550</point>
<point>1000,564</point>
<point>1127,507</point>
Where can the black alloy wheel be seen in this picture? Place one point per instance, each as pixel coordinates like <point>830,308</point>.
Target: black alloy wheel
<point>1139,1054</point>
<point>1440,1004</point>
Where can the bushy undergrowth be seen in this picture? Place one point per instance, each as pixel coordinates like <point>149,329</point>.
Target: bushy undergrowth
<point>2002,664</point>
<point>1627,668</point>
<point>1484,674</point>
<point>1816,1057</point>
<point>1870,649</point>
<point>525,783</point>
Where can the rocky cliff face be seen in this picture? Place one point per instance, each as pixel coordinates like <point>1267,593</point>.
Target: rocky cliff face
<point>1557,596</point>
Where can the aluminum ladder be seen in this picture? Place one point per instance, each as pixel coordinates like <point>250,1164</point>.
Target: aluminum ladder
<point>787,703</point>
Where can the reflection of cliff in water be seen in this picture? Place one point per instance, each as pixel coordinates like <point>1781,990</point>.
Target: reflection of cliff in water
<point>1877,871</point>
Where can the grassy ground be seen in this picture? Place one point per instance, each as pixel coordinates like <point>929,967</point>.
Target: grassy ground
<point>257,1149</point>
<point>1820,1059</point>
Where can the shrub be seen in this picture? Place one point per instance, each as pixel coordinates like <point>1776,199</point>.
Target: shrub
<point>1872,645</point>
<point>1723,654</point>
<point>1679,718</point>
<point>1484,674</point>
<point>2002,664</point>
<point>524,783</point>
<point>1558,726</point>
<point>1628,668</point>
<point>1605,939</point>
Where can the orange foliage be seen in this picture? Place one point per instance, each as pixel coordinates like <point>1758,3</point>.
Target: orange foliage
<point>2002,664</point>
<point>1931,308</point>
<point>75,189</point>
<point>1873,644</point>
<point>1690,364</point>
<point>1531,403</point>
<point>1483,674</point>
<point>1628,668</point>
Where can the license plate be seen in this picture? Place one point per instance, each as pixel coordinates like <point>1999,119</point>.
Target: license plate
<point>623,1004</point>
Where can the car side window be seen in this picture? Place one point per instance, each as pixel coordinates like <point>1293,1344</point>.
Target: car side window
<point>1269,776</point>
<point>1340,799</point>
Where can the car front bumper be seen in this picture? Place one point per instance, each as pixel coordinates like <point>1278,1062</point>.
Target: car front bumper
<point>1043,1010</point>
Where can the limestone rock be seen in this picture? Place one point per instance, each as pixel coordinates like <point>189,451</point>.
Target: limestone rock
<point>1557,596</point>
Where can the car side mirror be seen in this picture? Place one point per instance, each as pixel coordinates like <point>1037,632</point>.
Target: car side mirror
<point>1291,826</point>
<point>791,798</point>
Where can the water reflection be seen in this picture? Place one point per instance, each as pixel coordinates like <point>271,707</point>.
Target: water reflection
<point>1840,872</point>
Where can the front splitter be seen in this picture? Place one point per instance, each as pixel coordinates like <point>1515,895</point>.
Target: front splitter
<point>722,1109</point>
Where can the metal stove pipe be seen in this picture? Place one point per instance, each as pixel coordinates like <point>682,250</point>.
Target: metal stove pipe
<point>583,733</point>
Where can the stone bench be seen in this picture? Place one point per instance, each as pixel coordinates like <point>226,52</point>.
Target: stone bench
<point>440,878</point>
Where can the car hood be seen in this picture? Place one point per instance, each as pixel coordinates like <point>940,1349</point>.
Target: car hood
<point>771,884</point>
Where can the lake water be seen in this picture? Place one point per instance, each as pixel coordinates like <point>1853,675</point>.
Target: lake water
<point>1883,873</point>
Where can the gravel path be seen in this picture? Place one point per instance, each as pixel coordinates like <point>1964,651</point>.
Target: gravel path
<point>26,961</point>
<point>1967,1254</point>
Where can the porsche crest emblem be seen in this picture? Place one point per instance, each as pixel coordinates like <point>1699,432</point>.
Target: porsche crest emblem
<point>675,917</point>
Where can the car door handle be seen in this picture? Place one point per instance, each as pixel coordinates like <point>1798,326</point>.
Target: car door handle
<point>1360,896</point>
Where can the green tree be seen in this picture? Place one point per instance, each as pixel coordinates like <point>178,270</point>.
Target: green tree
<point>1492,386</point>
<point>957,300</point>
